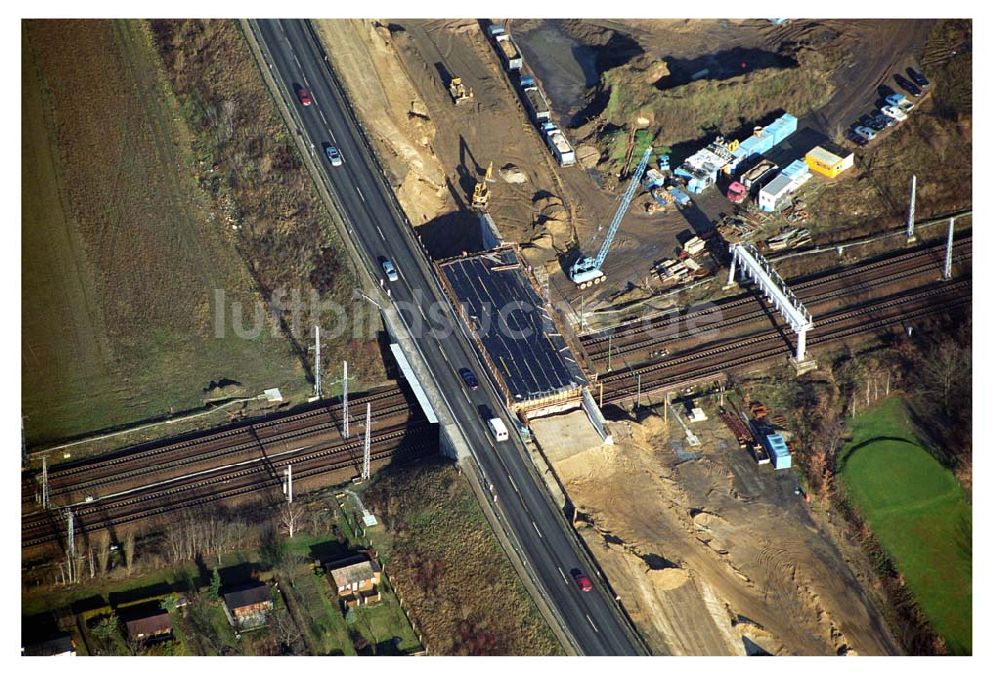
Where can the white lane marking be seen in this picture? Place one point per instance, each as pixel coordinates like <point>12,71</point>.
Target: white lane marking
<point>362,196</point>
<point>294,56</point>
<point>512,483</point>
<point>563,573</point>
<point>466,397</point>
<point>379,229</point>
<point>327,125</point>
<point>591,622</point>
<point>536,528</point>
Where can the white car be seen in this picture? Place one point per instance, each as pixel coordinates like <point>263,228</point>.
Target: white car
<point>334,156</point>
<point>894,113</point>
<point>865,132</point>
<point>390,270</point>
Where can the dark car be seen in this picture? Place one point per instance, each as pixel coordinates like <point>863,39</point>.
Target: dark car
<point>884,90</point>
<point>485,412</point>
<point>856,138</point>
<point>582,581</point>
<point>908,86</point>
<point>868,120</point>
<point>469,378</point>
<point>877,123</point>
<point>918,77</point>
<point>304,97</point>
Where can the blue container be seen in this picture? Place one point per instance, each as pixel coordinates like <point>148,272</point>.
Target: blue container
<point>527,81</point>
<point>796,169</point>
<point>778,451</point>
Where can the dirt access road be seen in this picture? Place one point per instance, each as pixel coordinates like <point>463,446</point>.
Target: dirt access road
<point>708,550</point>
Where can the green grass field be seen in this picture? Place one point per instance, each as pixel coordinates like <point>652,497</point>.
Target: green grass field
<point>919,513</point>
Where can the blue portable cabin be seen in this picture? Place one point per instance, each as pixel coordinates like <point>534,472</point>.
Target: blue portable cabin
<point>778,451</point>
<point>796,169</point>
<point>527,81</point>
<point>495,30</point>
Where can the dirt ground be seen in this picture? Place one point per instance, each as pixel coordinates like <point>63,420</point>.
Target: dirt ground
<point>556,213</point>
<point>709,551</point>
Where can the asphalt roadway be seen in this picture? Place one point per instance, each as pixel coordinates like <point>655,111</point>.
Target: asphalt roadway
<point>592,620</point>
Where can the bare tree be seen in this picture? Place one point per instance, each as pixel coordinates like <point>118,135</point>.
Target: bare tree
<point>292,515</point>
<point>103,551</point>
<point>128,549</point>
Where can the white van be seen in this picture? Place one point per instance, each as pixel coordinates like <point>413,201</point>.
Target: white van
<point>498,429</point>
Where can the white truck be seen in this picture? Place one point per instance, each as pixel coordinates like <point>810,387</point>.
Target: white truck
<point>499,429</point>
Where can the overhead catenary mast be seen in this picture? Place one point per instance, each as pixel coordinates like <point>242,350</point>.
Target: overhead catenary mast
<point>366,469</point>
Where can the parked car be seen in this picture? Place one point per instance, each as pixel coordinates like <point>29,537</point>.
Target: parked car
<point>867,120</point>
<point>884,90</point>
<point>582,581</point>
<point>304,97</point>
<point>865,132</point>
<point>908,86</point>
<point>917,76</point>
<point>333,155</point>
<point>856,138</point>
<point>885,121</point>
<point>894,113</point>
<point>390,270</point>
<point>876,122</point>
<point>469,378</point>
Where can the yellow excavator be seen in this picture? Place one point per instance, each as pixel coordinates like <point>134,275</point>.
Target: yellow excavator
<point>458,91</point>
<point>481,193</point>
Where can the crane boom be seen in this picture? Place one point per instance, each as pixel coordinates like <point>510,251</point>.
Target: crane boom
<point>587,269</point>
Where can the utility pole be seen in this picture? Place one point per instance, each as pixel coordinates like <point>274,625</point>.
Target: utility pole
<point>609,352</point>
<point>45,482</point>
<point>70,544</point>
<point>288,488</point>
<point>913,206</point>
<point>947,256</point>
<point>366,469</point>
<point>638,392</point>
<point>318,392</point>
<point>344,403</point>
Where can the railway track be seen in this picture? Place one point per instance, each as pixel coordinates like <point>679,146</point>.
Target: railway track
<point>738,354</point>
<point>144,461</point>
<point>227,482</point>
<point>634,336</point>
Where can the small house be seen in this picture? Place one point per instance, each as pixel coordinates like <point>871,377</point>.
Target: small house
<point>356,580</point>
<point>58,645</point>
<point>247,606</point>
<point>147,625</point>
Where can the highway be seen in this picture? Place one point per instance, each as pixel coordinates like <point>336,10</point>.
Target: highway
<point>592,620</point>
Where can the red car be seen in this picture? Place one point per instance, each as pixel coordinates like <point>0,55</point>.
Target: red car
<point>582,581</point>
<point>304,96</point>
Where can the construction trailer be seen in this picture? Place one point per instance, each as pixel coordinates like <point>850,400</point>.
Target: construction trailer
<point>702,169</point>
<point>831,165</point>
<point>558,144</point>
<point>764,139</point>
<point>777,194</point>
<point>781,458</point>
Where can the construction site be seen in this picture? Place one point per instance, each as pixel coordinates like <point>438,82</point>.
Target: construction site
<point>646,251</point>
<point>616,226</point>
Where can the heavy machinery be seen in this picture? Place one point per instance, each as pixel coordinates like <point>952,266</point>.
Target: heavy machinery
<point>481,193</point>
<point>587,270</point>
<point>458,91</point>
